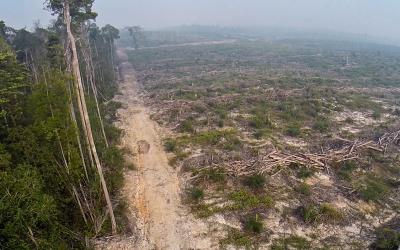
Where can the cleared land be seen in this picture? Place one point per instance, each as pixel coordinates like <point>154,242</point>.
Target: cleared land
<point>281,143</point>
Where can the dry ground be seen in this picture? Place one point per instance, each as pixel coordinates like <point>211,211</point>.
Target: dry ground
<point>152,191</point>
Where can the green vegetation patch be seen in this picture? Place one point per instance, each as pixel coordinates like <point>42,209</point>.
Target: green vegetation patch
<point>386,239</point>
<point>324,213</point>
<point>304,189</point>
<point>291,242</point>
<point>253,224</point>
<point>256,181</point>
<point>347,169</point>
<point>238,239</point>
<point>244,199</point>
<point>215,175</point>
<point>196,194</point>
<point>372,188</point>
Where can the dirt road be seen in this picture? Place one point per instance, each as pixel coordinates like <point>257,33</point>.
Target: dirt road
<point>152,191</point>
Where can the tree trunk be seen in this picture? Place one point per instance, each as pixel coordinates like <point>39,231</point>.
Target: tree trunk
<point>112,57</point>
<point>87,51</point>
<point>84,113</point>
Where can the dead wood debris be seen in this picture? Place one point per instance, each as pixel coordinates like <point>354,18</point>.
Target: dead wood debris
<point>347,150</point>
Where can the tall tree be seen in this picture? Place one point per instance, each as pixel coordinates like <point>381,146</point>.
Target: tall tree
<point>75,12</point>
<point>110,33</point>
<point>136,33</point>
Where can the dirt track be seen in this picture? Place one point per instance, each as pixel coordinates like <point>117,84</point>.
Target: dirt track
<point>152,191</point>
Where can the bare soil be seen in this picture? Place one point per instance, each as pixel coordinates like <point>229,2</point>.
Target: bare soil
<point>152,191</point>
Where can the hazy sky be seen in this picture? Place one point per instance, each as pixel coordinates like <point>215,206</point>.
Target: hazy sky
<point>373,17</point>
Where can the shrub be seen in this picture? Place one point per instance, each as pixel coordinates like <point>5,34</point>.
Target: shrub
<point>259,133</point>
<point>196,194</point>
<point>372,189</point>
<point>253,225</point>
<point>324,213</point>
<point>110,110</point>
<point>347,169</point>
<point>321,124</point>
<point>292,242</point>
<point>256,181</point>
<point>305,172</point>
<point>238,239</point>
<point>329,213</point>
<point>170,145</point>
<point>349,120</point>
<point>212,174</point>
<point>232,143</point>
<point>202,210</point>
<point>186,126</point>
<point>309,213</point>
<point>245,200</point>
<point>293,130</point>
<point>377,114</point>
<point>114,160</point>
<point>209,137</point>
<point>260,121</point>
<point>387,239</point>
<point>304,189</point>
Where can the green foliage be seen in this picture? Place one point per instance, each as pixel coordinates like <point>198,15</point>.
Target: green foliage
<point>347,169</point>
<point>187,126</point>
<point>196,194</point>
<point>24,208</point>
<point>260,133</point>
<point>377,114</point>
<point>225,139</point>
<point>310,213</point>
<point>260,120</point>
<point>372,188</point>
<point>321,124</point>
<point>256,181</point>
<point>5,158</point>
<point>305,172</point>
<point>114,161</point>
<point>243,199</point>
<point>80,9</point>
<point>330,213</point>
<point>41,164</point>
<point>349,120</point>
<point>324,213</point>
<point>13,80</point>
<point>386,239</point>
<point>203,210</point>
<point>110,33</point>
<point>238,239</point>
<point>291,242</point>
<point>293,129</point>
<point>253,225</point>
<point>216,175</point>
<point>304,189</point>
<point>170,145</point>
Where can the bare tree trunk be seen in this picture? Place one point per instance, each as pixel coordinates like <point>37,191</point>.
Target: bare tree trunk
<point>112,57</point>
<point>68,60</point>
<point>84,113</point>
<point>78,139</point>
<point>86,51</point>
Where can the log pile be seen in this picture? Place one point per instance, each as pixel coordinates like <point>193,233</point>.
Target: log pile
<point>344,151</point>
<point>390,138</point>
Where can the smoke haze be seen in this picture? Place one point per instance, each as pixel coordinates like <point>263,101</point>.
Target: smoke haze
<point>370,17</point>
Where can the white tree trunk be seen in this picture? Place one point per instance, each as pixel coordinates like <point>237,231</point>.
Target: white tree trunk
<point>84,113</point>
